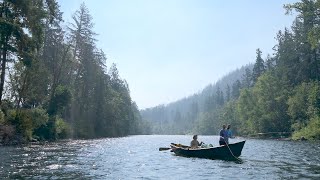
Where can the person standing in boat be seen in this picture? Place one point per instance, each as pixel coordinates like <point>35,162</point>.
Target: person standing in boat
<point>195,143</point>
<point>229,133</point>
<point>223,136</point>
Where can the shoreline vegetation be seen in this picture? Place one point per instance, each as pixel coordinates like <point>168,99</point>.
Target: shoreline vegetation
<point>55,84</point>
<point>54,81</point>
<point>19,141</point>
<point>279,93</point>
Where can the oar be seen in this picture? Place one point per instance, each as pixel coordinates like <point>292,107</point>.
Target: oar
<point>164,148</point>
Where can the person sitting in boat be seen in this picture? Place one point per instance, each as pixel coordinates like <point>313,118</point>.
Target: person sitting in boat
<point>195,143</point>
<point>223,136</point>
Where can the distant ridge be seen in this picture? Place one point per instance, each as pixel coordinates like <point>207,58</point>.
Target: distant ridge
<point>181,110</point>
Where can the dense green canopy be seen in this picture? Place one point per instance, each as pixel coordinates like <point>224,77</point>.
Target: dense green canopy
<point>54,81</point>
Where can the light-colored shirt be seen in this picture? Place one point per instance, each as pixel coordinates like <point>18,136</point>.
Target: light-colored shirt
<point>194,144</point>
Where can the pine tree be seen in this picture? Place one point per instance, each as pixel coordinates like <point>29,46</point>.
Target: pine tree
<point>247,79</point>
<point>236,86</point>
<point>228,93</point>
<point>258,67</point>
<point>21,31</point>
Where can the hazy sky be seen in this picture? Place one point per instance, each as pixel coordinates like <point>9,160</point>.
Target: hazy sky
<point>169,49</point>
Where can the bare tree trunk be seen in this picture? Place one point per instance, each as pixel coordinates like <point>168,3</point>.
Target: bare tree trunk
<point>5,39</point>
<point>3,67</point>
<point>24,86</point>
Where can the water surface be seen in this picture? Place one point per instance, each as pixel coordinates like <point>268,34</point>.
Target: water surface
<point>138,157</point>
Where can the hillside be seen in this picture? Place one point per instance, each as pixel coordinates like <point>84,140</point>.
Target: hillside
<point>180,116</point>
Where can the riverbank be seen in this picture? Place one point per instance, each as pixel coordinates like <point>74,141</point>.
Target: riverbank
<point>18,140</point>
<point>8,136</point>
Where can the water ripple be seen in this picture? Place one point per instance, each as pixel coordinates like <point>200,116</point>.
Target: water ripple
<point>137,157</point>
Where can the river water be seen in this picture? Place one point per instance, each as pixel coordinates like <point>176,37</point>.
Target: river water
<point>138,157</point>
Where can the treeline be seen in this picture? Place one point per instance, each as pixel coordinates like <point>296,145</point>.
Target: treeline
<point>285,91</point>
<point>54,81</point>
<point>181,117</point>
<point>281,93</point>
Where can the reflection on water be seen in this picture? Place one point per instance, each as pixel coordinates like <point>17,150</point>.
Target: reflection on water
<point>137,157</point>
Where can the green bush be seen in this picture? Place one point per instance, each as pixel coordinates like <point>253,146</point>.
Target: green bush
<point>39,117</point>
<point>27,120</point>
<point>62,128</point>
<point>304,108</point>
<point>311,131</point>
<point>305,102</point>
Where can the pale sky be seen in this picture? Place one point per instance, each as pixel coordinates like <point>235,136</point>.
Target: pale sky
<point>170,49</point>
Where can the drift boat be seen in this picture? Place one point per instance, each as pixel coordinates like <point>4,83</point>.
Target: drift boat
<point>226,152</point>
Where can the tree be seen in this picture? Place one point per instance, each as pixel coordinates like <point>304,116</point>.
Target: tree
<point>228,93</point>
<point>270,63</point>
<point>287,60</point>
<point>304,110</point>
<point>229,115</point>
<point>272,95</point>
<point>246,108</point>
<point>236,86</point>
<point>308,13</point>
<point>307,34</point>
<point>219,97</point>
<point>247,79</point>
<point>258,67</point>
<point>304,104</point>
<point>21,31</point>
<point>84,48</point>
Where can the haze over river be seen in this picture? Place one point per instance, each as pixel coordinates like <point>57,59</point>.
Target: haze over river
<point>138,157</point>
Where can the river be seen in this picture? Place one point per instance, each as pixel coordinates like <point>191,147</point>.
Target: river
<point>138,157</point>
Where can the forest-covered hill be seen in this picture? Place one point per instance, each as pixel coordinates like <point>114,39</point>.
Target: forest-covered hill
<point>180,116</point>
<point>280,94</point>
